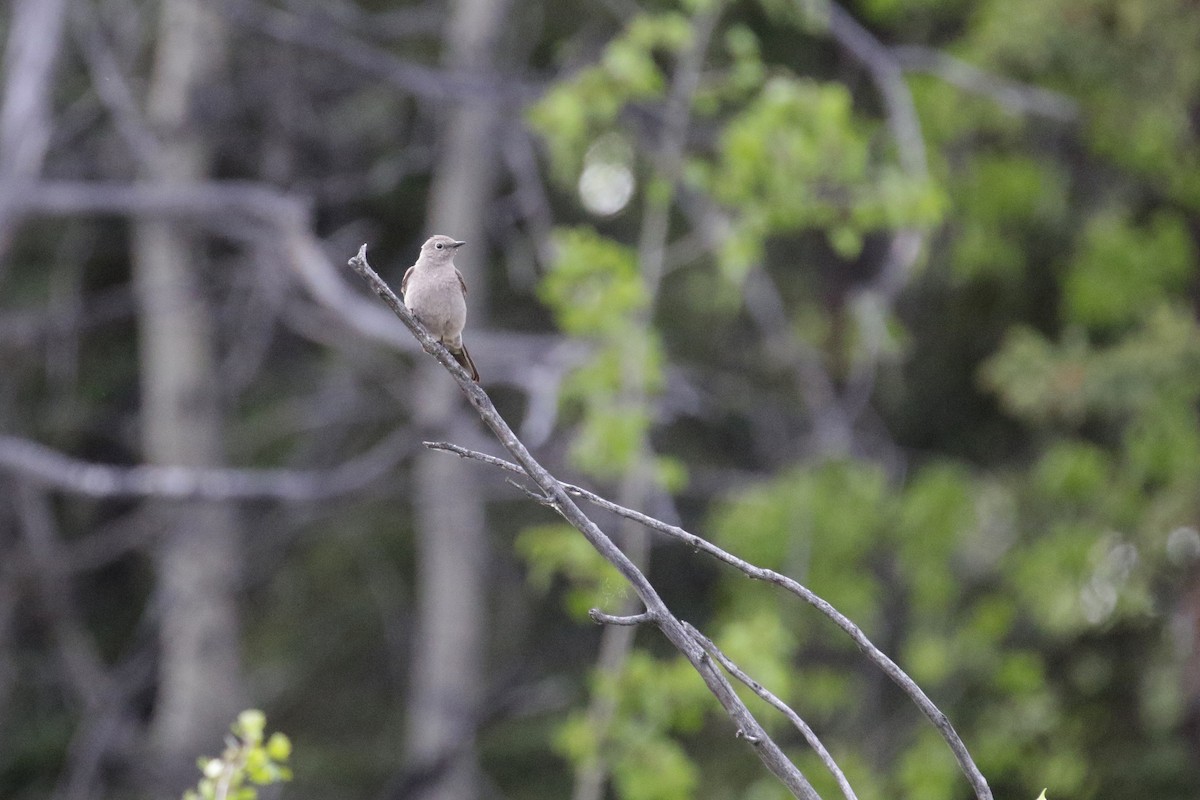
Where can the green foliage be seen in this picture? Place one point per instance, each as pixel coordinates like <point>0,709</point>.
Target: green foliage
<point>797,158</point>
<point>1124,271</point>
<point>998,197</point>
<point>594,286</point>
<point>936,509</point>
<point>250,759</point>
<point>596,292</point>
<point>1025,552</point>
<point>554,551</point>
<point>813,523</point>
<point>576,111</point>
<point>926,770</point>
<point>762,642</point>
<point>1151,368</point>
<point>1073,475</point>
<point>654,700</point>
<point>1134,65</point>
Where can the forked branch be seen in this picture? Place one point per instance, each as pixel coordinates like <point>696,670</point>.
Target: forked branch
<point>746,725</point>
<point>877,656</point>
<point>698,649</point>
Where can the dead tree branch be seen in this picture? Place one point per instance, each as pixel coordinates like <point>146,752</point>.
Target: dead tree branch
<point>50,468</point>
<point>671,626</point>
<point>806,731</point>
<point>876,656</point>
<point>1013,96</point>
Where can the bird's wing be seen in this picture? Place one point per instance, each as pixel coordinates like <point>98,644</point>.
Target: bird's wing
<point>407,274</point>
<point>461,282</point>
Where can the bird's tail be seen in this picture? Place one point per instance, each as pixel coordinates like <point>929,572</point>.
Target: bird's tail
<point>464,358</point>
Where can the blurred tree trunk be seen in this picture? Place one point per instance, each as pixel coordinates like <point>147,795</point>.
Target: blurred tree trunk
<point>197,558</point>
<point>447,682</point>
<point>30,55</point>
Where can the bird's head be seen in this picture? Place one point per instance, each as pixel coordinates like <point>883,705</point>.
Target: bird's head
<point>439,249</point>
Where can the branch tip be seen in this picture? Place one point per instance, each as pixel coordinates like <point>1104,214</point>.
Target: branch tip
<point>749,737</point>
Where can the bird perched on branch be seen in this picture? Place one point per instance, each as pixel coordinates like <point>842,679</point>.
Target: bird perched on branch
<point>436,294</point>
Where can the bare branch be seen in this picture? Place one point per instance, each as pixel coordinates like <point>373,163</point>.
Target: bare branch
<point>832,426</point>
<point>877,656</point>
<point>29,58</point>
<point>108,724</point>
<point>672,628</point>
<point>885,71</point>
<point>536,497</point>
<point>1013,96</point>
<point>261,210</point>
<point>600,618</point>
<point>50,468</point>
<point>900,111</point>
<point>211,199</point>
<point>111,87</point>
<point>413,77</point>
<point>807,732</point>
<point>82,665</point>
<point>30,55</point>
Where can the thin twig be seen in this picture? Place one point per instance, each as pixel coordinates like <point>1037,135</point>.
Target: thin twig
<point>1011,95</point>
<point>900,111</point>
<point>877,656</point>
<point>807,732</point>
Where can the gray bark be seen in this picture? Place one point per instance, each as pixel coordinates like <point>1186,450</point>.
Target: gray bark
<point>199,684</point>
<point>30,56</point>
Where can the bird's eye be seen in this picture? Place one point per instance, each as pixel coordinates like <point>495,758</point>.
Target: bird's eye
<point>438,245</point>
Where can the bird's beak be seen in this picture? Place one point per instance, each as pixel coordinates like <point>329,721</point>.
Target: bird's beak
<point>457,244</point>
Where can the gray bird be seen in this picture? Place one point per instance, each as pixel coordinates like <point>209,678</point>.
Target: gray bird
<point>436,294</point>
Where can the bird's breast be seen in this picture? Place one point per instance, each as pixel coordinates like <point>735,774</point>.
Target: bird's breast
<point>438,302</point>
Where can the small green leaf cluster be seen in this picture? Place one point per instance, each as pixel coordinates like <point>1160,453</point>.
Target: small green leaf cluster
<point>1122,271</point>
<point>558,551</point>
<point>795,158</point>
<point>593,286</point>
<point>655,700</point>
<point>1154,367</point>
<point>250,759</point>
<point>997,197</point>
<point>595,292</point>
<point>743,75</point>
<point>575,111</point>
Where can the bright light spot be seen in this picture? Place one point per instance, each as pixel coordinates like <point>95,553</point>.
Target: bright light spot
<point>1122,558</point>
<point>1098,597</point>
<point>1183,545</point>
<point>1098,600</point>
<point>606,183</point>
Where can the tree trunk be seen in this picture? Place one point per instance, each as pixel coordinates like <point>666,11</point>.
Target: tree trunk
<point>30,55</point>
<point>199,684</point>
<point>447,681</point>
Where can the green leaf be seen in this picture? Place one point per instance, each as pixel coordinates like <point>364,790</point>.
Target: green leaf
<point>250,725</point>
<point>279,747</point>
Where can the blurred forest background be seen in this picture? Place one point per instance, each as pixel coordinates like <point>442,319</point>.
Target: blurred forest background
<point>897,298</point>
